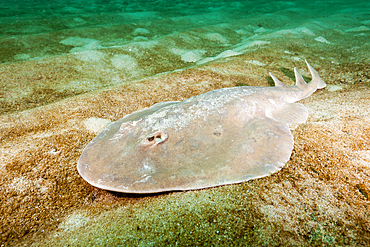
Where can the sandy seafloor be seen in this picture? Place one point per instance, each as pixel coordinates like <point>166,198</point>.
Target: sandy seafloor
<point>68,68</point>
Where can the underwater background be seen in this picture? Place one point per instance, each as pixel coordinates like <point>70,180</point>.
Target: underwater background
<point>68,68</point>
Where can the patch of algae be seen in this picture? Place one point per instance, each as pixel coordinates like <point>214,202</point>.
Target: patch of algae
<point>40,148</point>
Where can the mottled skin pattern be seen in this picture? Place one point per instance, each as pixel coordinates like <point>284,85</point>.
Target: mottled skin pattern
<point>220,137</point>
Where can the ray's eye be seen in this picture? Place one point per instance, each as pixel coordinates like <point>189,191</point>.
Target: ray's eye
<point>156,138</point>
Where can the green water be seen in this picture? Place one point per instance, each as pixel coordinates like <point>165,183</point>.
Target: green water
<point>33,29</point>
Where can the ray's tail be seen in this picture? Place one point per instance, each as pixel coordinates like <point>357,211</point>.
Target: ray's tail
<point>306,88</point>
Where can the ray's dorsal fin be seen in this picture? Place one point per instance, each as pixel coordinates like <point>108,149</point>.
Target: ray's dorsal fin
<point>299,81</point>
<point>277,82</point>
<point>308,88</point>
<point>315,76</point>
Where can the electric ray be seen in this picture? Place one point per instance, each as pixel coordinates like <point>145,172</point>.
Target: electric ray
<point>224,136</point>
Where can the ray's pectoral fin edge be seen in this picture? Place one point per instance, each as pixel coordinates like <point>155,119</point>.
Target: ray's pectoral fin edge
<point>290,113</point>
